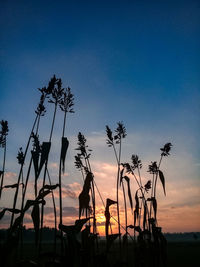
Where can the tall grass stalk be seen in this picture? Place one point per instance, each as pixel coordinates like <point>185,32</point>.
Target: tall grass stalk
<point>3,143</point>
<point>55,91</point>
<point>20,172</point>
<point>66,104</point>
<point>111,141</point>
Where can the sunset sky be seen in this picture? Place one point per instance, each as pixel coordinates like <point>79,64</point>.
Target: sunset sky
<point>131,61</point>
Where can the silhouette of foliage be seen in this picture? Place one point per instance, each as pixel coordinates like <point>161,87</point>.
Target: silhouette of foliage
<point>78,245</point>
<point>66,103</point>
<point>20,156</point>
<point>165,150</point>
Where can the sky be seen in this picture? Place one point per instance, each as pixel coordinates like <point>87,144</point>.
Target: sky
<point>130,61</point>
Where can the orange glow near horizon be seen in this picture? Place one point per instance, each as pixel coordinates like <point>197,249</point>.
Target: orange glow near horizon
<point>173,214</point>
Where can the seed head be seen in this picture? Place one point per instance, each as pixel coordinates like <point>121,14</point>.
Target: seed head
<point>165,150</point>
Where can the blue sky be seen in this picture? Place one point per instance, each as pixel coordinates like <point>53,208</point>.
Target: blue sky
<point>130,61</point>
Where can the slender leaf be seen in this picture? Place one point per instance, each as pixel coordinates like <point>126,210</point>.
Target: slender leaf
<point>43,193</point>
<point>16,211</point>
<point>76,228</point>
<point>11,186</point>
<point>35,157</point>
<point>44,155</point>
<point>49,187</point>
<point>162,179</point>
<point>29,203</point>
<point>65,144</point>
<point>110,202</point>
<point>79,223</point>
<point>154,206</point>
<point>129,191</point>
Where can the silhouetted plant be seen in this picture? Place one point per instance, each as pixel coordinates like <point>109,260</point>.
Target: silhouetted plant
<point>151,243</point>
<point>120,133</point>
<point>84,197</point>
<point>66,103</point>
<point>3,133</point>
<point>54,94</point>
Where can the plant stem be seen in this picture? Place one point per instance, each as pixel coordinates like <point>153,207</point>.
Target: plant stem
<point>44,177</point>
<point>3,170</point>
<point>54,209</point>
<point>125,207</point>
<point>157,175</point>
<point>118,176</point>
<point>152,193</point>
<point>60,185</point>
<point>20,172</point>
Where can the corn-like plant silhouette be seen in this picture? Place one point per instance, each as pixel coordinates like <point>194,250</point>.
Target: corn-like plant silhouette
<point>78,246</point>
<point>84,197</point>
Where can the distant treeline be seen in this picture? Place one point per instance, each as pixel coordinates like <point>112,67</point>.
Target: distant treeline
<point>29,235</point>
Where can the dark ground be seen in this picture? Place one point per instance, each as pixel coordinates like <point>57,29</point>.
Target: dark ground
<point>180,254</point>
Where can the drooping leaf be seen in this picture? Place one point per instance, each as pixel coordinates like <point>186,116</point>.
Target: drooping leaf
<point>44,155</point>
<point>129,191</point>
<point>110,202</point>
<point>76,228</point>
<point>29,203</point>
<point>35,214</point>
<point>84,200</point>
<point>49,187</point>
<point>162,179</point>
<point>154,201</point>
<point>15,211</point>
<point>79,223</point>
<point>84,197</point>
<point>65,144</point>
<point>35,157</point>
<point>43,193</point>
<point>10,186</point>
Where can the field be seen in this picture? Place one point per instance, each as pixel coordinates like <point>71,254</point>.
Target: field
<point>180,254</point>
<point>183,254</point>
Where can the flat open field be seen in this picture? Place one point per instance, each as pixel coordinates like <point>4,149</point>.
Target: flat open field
<point>180,254</point>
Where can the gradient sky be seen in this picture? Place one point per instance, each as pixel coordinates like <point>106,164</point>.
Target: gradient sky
<point>130,61</point>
